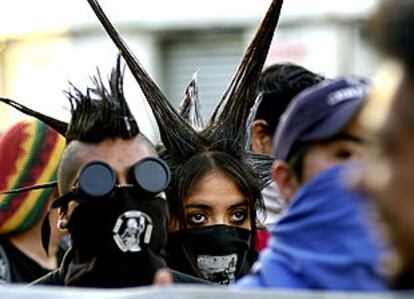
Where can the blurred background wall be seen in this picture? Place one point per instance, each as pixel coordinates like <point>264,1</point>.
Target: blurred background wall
<point>44,44</point>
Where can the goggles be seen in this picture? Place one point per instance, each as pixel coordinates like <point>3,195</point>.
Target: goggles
<point>97,179</point>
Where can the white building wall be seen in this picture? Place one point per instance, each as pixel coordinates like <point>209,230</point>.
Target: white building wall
<point>46,43</point>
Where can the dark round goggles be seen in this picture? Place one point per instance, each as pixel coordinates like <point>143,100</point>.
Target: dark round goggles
<point>97,179</point>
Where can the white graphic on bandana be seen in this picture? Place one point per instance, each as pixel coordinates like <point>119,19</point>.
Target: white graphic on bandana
<point>220,269</point>
<point>131,230</point>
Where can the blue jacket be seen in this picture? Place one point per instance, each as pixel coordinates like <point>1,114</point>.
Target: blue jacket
<point>323,241</point>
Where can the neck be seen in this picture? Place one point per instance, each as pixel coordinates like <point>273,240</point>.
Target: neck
<point>29,243</point>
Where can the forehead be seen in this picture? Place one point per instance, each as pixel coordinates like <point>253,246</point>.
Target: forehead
<point>120,154</point>
<point>217,190</point>
<point>357,129</point>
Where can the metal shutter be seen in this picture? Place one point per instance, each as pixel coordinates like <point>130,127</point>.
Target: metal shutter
<point>215,56</point>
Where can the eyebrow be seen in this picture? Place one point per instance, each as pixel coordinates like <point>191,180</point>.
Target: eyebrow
<point>238,205</point>
<point>207,207</point>
<point>198,206</point>
<point>348,137</point>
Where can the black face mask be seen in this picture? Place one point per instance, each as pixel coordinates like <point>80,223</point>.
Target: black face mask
<point>217,253</point>
<point>117,232</point>
<point>122,235</point>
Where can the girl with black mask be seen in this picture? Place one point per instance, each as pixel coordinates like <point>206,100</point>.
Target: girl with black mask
<point>213,202</point>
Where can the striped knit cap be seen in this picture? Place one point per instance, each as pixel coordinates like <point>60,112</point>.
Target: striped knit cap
<point>29,154</point>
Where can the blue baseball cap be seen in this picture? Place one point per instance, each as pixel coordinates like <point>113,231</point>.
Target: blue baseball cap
<point>319,112</point>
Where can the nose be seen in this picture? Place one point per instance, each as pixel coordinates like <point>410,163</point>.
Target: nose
<point>220,220</point>
<point>123,179</point>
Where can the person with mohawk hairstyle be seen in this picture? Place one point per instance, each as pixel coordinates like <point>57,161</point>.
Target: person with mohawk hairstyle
<point>111,185</point>
<point>29,154</point>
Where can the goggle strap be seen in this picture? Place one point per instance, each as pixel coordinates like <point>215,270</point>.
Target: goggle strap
<point>51,184</point>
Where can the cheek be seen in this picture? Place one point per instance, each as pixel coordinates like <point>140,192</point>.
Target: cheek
<point>246,224</point>
<point>316,162</point>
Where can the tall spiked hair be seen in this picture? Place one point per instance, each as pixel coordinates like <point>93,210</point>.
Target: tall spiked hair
<point>57,125</point>
<point>225,131</point>
<point>101,112</point>
<point>190,108</point>
<point>96,114</point>
<point>227,128</point>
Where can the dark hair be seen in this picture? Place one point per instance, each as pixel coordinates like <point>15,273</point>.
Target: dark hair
<point>98,114</point>
<point>188,174</point>
<point>296,157</point>
<point>392,29</point>
<point>279,84</point>
<point>101,113</point>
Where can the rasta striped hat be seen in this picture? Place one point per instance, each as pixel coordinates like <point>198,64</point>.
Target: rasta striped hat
<point>29,154</point>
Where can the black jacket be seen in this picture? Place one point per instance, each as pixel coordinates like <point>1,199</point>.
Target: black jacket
<point>57,277</point>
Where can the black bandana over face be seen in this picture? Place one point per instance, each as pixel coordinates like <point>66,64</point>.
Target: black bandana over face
<point>117,237</point>
<point>217,253</point>
<point>122,236</point>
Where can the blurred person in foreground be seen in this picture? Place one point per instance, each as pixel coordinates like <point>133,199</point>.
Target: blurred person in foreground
<point>323,240</point>
<point>278,85</point>
<point>389,178</point>
<point>29,154</point>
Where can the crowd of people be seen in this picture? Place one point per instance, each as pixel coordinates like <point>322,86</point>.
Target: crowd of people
<point>296,181</point>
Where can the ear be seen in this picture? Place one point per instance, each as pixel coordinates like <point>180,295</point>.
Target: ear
<point>285,179</point>
<point>261,140</point>
<point>63,219</point>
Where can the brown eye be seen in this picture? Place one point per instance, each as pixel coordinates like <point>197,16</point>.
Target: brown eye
<point>239,216</point>
<point>196,219</point>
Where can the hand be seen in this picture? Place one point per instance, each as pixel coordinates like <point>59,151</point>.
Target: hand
<point>163,277</point>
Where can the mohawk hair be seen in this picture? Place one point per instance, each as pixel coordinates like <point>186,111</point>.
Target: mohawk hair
<point>189,109</point>
<point>101,113</point>
<point>227,128</point>
<point>97,114</point>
